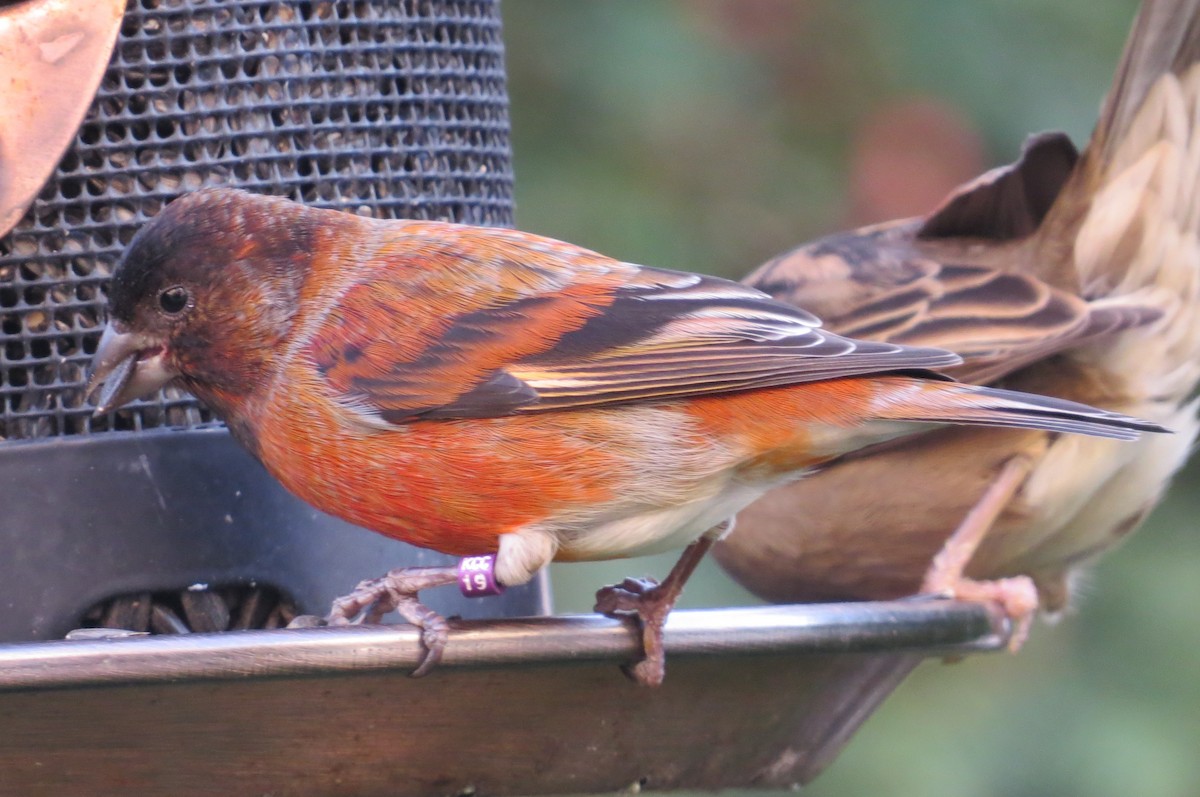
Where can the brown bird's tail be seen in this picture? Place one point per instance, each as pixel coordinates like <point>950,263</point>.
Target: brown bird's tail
<point>1130,212</point>
<point>1164,42</point>
<point>954,402</point>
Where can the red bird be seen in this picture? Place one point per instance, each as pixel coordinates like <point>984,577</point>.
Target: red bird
<point>478,390</point>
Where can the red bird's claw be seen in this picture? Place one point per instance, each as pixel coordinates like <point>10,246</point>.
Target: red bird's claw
<point>647,672</point>
<point>648,603</point>
<point>434,634</point>
<point>398,591</point>
<point>434,631</point>
<point>624,599</point>
<point>353,608</point>
<point>652,616</point>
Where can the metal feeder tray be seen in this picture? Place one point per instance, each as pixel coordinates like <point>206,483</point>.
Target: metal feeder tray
<point>759,697</point>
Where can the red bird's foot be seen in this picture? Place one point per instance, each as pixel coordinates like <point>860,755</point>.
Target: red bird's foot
<point>397,591</point>
<point>622,599</point>
<point>650,603</point>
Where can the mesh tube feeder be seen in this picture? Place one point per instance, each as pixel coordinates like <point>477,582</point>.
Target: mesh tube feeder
<point>384,109</point>
<point>152,519</point>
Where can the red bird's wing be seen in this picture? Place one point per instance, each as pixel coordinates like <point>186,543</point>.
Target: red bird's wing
<point>536,334</point>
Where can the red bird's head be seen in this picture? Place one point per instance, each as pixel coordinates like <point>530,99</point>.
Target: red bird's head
<point>204,293</point>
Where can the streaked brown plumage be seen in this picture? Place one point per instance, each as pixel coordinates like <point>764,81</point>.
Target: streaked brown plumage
<point>1075,276</point>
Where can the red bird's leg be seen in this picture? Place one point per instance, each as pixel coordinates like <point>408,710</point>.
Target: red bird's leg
<point>397,591</point>
<point>651,602</point>
<point>1016,597</point>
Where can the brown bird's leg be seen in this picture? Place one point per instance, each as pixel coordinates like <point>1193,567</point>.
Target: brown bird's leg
<point>1016,597</point>
<point>397,591</point>
<point>651,602</point>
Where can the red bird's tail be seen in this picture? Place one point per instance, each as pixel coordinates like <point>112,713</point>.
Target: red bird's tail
<point>953,402</point>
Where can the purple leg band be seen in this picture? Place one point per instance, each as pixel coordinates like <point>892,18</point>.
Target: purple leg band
<point>477,576</point>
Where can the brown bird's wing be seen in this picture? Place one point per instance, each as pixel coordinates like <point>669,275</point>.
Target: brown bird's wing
<point>1009,202</point>
<point>601,337</point>
<point>976,221</point>
<point>997,322</point>
<point>914,282</point>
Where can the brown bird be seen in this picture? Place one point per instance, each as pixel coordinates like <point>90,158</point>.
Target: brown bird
<point>1072,275</point>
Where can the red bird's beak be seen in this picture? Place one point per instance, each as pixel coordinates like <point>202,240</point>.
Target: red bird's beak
<point>129,366</point>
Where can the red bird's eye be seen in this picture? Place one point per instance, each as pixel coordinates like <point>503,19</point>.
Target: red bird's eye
<point>173,300</point>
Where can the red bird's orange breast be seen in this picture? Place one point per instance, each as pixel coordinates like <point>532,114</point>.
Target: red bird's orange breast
<point>450,485</point>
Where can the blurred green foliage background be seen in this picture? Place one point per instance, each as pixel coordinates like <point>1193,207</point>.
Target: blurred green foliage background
<point>711,134</point>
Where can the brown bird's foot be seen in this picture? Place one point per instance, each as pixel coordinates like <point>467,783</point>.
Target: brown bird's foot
<point>397,591</point>
<point>650,603</point>
<point>1015,598</point>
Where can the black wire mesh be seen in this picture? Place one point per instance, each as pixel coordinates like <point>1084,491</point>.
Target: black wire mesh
<point>384,108</point>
